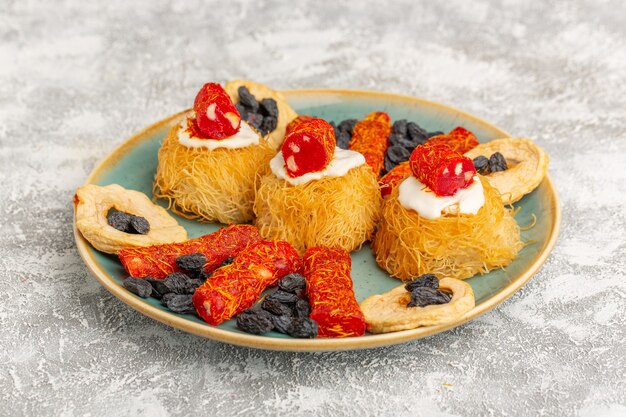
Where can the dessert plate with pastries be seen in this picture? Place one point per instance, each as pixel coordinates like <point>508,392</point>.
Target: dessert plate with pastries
<point>316,220</point>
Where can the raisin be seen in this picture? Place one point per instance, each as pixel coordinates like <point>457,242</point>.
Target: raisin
<point>400,127</point>
<point>247,100</point>
<point>396,138</point>
<point>343,139</point>
<point>481,163</point>
<point>269,107</point>
<point>255,119</point>
<point>398,154</point>
<point>195,283</point>
<point>334,125</point>
<point>389,164</point>
<point>283,297</point>
<point>275,307</point>
<point>268,125</point>
<point>302,308</point>
<point>416,133</point>
<point>255,321</point>
<point>138,225</point>
<point>138,286</point>
<point>282,323</point>
<point>179,303</point>
<point>347,126</point>
<point>227,261</point>
<point>303,328</point>
<point>178,283</point>
<point>118,220</point>
<point>425,280</point>
<point>243,111</point>
<point>292,282</point>
<point>192,262</point>
<point>158,288</point>
<point>435,133</point>
<point>497,163</point>
<point>424,296</point>
<point>301,293</point>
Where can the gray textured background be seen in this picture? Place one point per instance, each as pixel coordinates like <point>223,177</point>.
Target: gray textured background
<point>77,79</point>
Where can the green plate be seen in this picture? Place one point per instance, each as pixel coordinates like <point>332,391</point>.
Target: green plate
<point>133,164</point>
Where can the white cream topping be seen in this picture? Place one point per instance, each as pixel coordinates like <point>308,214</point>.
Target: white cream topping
<point>342,162</point>
<point>245,137</point>
<point>414,195</point>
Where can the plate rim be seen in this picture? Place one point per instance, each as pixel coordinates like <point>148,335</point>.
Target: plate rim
<point>318,344</point>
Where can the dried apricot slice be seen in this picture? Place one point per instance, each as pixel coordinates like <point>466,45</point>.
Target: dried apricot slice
<point>389,312</point>
<point>93,202</point>
<point>527,165</point>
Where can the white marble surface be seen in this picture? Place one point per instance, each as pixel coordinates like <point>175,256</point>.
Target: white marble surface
<point>77,78</point>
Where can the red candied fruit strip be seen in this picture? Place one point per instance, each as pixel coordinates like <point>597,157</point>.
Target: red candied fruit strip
<point>440,168</point>
<point>393,178</point>
<point>370,137</point>
<point>159,261</point>
<point>308,147</point>
<point>331,293</point>
<point>216,114</point>
<point>235,287</point>
<point>458,139</point>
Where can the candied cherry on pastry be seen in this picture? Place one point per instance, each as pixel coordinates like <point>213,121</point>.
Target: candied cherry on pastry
<point>440,168</point>
<point>216,115</point>
<point>309,146</point>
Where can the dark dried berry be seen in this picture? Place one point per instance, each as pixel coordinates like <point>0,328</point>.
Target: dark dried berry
<point>255,321</point>
<point>302,308</point>
<point>191,262</point>
<point>343,139</point>
<point>332,123</point>
<point>178,283</point>
<point>435,133</point>
<point>195,283</point>
<point>275,307</point>
<point>158,288</point>
<point>118,220</point>
<point>227,261</point>
<point>282,323</point>
<point>301,293</point>
<point>497,163</point>
<point>179,303</point>
<point>425,280</point>
<point>268,125</point>
<point>424,296</point>
<point>389,164</point>
<point>481,163</point>
<point>283,297</point>
<point>347,126</point>
<point>203,275</point>
<point>303,328</point>
<point>138,286</point>
<point>243,111</point>
<point>291,282</point>
<point>255,120</point>
<point>269,107</point>
<point>138,225</point>
<point>398,154</point>
<point>400,127</point>
<point>247,99</point>
<point>416,133</point>
<point>396,138</point>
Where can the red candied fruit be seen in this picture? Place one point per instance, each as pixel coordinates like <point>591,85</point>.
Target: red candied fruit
<point>308,147</point>
<point>440,168</point>
<point>216,115</point>
<point>459,139</point>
